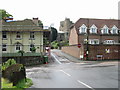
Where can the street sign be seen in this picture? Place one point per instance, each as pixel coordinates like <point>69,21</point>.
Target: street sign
<point>79,45</point>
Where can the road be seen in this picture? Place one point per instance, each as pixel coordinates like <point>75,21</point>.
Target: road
<point>64,72</point>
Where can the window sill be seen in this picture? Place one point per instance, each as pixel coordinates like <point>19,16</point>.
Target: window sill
<point>18,38</point>
<point>4,38</point>
<point>31,38</point>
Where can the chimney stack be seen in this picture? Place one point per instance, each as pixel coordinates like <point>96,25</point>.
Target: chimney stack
<point>35,20</point>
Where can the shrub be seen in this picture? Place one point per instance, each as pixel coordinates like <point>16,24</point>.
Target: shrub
<point>14,73</point>
<point>8,63</point>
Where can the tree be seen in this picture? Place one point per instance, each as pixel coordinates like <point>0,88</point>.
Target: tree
<point>4,14</point>
<point>40,23</point>
<point>53,34</point>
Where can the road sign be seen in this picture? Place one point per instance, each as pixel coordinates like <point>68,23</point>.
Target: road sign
<point>79,45</point>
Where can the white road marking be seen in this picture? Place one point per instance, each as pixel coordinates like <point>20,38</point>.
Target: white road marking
<point>65,73</point>
<point>85,84</point>
<point>56,58</point>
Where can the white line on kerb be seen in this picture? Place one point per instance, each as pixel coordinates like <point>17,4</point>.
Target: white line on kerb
<point>85,85</point>
<point>56,59</point>
<point>65,73</point>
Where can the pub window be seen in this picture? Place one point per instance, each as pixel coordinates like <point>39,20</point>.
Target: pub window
<point>4,35</point>
<point>32,36</point>
<point>4,47</point>
<point>18,35</point>
<point>18,47</point>
<point>31,46</point>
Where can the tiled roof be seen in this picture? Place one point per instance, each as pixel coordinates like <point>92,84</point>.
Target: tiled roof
<point>99,23</point>
<point>23,25</point>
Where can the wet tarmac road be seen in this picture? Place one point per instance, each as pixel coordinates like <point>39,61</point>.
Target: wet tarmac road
<point>63,73</point>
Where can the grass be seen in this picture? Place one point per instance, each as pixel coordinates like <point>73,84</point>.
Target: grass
<point>21,84</point>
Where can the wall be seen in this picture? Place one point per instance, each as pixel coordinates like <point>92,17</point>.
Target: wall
<point>73,39</point>
<point>113,53</point>
<point>27,60</point>
<point>95,51</point>
<point>73,51</point>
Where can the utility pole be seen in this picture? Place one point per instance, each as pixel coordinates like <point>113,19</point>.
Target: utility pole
<point>87,44</point>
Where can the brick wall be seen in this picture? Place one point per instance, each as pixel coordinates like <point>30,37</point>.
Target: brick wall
<point>108,52</point>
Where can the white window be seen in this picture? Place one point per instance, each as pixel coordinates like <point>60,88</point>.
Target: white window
<point>83,29</point>
<point>4,35</point>
<point>109,42</point>
<point>18,47</point>
<point>32,36</point>
<point>114,30</point>
<point>93,29</point>
<point>105,30</point>
<point>4,47</point>
<point>31,46</point>
<point>94,41</point>
<point>18,36</point>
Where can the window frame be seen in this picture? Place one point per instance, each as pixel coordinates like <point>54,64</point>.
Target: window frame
<point>32,35</point>
<point>18,46</point>
<point>4,47</point>
<point>93,31</point>
<point>83,29</point>
<point>31,47</point>
<point>114,30</point>
<point>92,41</point>
<point>105,30</point>
<point>18,35</point>
<point>4,35</point>
<point>109,42</point>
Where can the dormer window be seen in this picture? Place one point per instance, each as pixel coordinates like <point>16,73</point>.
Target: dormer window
<point>114,30</point>
<point>93,29</point>
<point>83,29</point>
<point>105,30</point>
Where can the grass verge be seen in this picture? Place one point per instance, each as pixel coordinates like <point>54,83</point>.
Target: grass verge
<point>21,84</point>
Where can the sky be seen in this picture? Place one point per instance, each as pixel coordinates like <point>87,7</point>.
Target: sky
<point>51,12</point>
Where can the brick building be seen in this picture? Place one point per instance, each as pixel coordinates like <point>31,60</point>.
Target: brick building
<point>98,38</point>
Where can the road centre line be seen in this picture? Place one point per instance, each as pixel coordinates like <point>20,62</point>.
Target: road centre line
<point>65,73</point>
<point>56,58</point>
<point>85,85</point>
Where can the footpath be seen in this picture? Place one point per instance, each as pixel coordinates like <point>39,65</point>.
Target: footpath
<point>100,63</point>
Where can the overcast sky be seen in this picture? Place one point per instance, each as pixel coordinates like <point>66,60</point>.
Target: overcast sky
<point>54,11</point>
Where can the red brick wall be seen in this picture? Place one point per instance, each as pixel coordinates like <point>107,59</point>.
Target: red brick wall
<point>95,50</point>
<point>101,50</point>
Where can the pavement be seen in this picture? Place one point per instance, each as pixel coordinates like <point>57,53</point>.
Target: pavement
<point>100,63</point>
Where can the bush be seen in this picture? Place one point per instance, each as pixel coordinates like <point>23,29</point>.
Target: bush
<point>8,63</point>
<point>14,73</point>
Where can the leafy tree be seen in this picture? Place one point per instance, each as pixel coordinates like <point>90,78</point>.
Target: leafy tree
<point>53,34</point>
<point>4,14</point>
<point>40,24</point>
